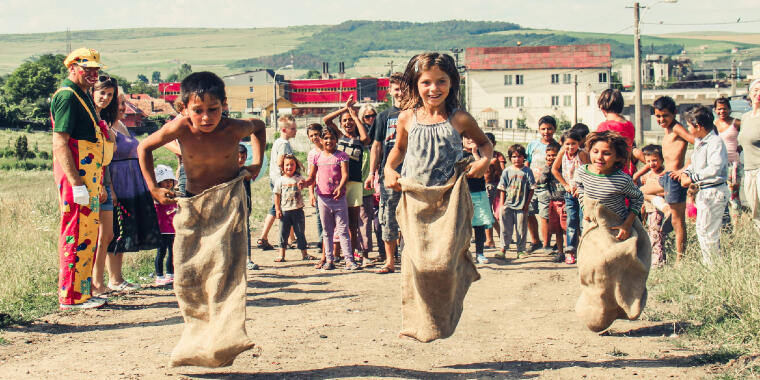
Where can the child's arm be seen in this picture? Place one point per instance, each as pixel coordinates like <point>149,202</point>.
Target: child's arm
<point>557,170</point>
<point>396,156</point>
<point>277,207</point>
<point>585,158</point>
<point>531,184</point>
<point>527,200</point>
<point>363,136</point>
<point>466,125</point>
<point>258,134</point>
<point>683,133</point>
<point>640,173</point>
<point>309,181</point>
<point>636,201</point>
<point>173,146</point>
<point>328,119</point>
<point>170,132</point>
<point>343,179</point>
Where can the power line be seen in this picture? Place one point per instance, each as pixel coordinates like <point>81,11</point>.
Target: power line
<point>738,21</point>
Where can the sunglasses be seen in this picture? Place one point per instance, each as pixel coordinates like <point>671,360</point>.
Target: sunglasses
<point>370,116</point>
<point>106,78</point>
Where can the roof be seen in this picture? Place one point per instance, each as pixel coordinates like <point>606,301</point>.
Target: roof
<point>131,108</point>
<point>158,106</point>
<point>539,57</point>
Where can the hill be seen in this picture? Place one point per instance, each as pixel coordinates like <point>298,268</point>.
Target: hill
<point>365,46</point>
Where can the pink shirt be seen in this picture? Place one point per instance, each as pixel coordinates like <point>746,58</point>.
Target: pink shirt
<point>729,137</point>
<point>165,214</point>
<point>625,129</point>
<point>328,172</point>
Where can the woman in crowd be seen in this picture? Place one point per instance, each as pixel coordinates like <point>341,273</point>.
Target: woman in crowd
<point>728,130</point>
<point>749,139</point>
<point>135,224</point>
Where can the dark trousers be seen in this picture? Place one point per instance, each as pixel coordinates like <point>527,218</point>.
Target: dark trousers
<point>167,241</point>
<point>293,218</point>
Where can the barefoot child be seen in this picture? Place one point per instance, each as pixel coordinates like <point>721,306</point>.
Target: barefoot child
<point>429,143</point>
<point>210,255</point>
<point>651,172</point>
<point>165,214</point>
<point>288,203</point>
<point>564,171</point>
<point>314,133</point>
<point>280,148</point>
<point>604,180</point>
<point>329,170</point>
<point>709,170</point>
<point>516,191</point>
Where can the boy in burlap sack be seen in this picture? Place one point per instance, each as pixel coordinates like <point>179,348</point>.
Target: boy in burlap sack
<point>209,245</point>
<point>435,209</point>
<point>614,253</point>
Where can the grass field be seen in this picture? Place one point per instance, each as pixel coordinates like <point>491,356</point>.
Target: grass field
<point>129,52</point>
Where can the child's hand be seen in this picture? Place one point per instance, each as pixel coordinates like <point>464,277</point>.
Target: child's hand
<point>676,175</point>
<point>568,188</point>
<point>278,214</point>
<point>312,201</point>
<point>336,193</point>
<point>350,102</point>
<point>103,195</point>
<point>391,180</point>
<point>163,196</point>
<point>685,180</point>
<point>253,170</point>
<point>624,231</point>
<point>368,183</point>
<point>478,169</point>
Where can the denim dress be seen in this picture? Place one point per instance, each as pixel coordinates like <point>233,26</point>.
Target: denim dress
<point>431,152</point>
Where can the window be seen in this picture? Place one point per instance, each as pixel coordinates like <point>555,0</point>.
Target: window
<point>507,102</point>
<point>555,78</point>
<point>602,77</point>
<point>508,123</point>
<point>250,79</point>
<point>567,101</point>
<point>249,103</point>
<point>507,80</point>
<point>520,101</point>
<point>567,78</point>
<point>519,79</point>
<point>555,100</point>
<point>492,123</point>
<point>251,88</point>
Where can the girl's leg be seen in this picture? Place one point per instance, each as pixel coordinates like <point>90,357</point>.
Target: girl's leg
<point>654,230</point>
<point>572,208</point>
<point>353,227</point>
<point>298,220</point>
<point>284,233</point>
<point>710,205</point>
<point>158,263</point>
<point>170,258</point>
<point>522,219</point>
<point>113,264</point>
<point>378,235</point>
<point>480,238</point>
<point>105,235</point>
<point>328,227</point>
<point>365,225</point>
<point>341,229</point>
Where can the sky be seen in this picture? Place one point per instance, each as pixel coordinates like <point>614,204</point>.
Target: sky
<point>602,16</point>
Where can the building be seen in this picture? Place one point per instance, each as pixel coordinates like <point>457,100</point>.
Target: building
<point>133,116</point>
<point>251,92</point>
<point>523,83</point>
<point>320,96</point>
<point>150,106</point>
<point>168,91</point>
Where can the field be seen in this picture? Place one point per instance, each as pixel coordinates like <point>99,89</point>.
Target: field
<point>129,52</point>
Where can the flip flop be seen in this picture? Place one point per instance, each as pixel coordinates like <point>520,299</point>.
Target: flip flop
<point>385,270</point>
<point>308,258</point>
<point>279,260</point>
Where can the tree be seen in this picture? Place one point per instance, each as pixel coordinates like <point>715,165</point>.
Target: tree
<point>121,81</point>
<point>313,74</point>
<point>29,82</point>
<point>172,77</point>
<point>22,148</point>
<point>142,78</point>
<point>155,77</point>
<point>54,62</point>
<point>184,71</point>
<point>143,88</point>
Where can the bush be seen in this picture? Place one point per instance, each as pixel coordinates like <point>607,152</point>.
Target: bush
<point>44,155</point>
<point>21,148</point>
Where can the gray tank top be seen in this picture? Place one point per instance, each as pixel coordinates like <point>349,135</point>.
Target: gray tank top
<point>431,151</point>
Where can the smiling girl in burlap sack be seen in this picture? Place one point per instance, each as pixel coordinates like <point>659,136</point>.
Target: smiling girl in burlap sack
<point>435,210</point>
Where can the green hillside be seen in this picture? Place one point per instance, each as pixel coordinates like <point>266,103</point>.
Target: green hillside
<point>365,46</point>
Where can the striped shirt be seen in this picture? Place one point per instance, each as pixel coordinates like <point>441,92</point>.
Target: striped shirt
<point>611,190</point>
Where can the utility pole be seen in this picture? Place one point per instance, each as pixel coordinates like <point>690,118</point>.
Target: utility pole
<point>638,120</point>
<point>733,77</point>
<point>575,97</point>
<point>390,64</point>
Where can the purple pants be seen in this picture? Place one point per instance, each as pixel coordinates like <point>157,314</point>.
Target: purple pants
<point>334,215</point>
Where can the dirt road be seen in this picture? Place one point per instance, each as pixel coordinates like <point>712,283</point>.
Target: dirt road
<point>518,322</point>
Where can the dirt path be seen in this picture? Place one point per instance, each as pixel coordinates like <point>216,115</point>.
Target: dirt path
<point>518,322</point>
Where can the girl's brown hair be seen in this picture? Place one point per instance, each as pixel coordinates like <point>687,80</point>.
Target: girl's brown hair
<point>615,140</point>
<point>299,167</point>
<point>611,100</point>
<point>111,113</point>
<point>411,96</point>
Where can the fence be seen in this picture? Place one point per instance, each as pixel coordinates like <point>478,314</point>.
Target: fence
<point>524,136</point>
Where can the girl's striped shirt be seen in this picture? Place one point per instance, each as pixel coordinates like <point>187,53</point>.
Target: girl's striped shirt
<point>611,190</point>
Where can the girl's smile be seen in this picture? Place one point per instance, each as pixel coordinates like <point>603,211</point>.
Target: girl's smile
<point>434,85</point>
<point>603,158</point>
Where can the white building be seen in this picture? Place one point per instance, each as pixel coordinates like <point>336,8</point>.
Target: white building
<point>509,87</point>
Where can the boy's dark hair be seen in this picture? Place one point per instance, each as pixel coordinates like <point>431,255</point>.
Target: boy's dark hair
<point>724,101</point>
<point>553,146</point>
<point>294,158</point>
<point>550,120</point>
<point>111,112</point>
<point>618,143</point>
<point>314,127</point>
<point>200,84</point>
<point>573,134</point>
<point>417,65</point>
<point>611,100</point>
<point>665,103</point>
<point>652,150</point>
<point>396,78</point>
<point>702,116</point>
<point>242,149</point>
<point>517,148</point>
<point>330,130</point>
<point>491,137</point>
<point>581,128</point>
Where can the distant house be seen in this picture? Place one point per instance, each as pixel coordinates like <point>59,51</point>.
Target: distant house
<point>151,106</point>
<point>321,96</point>
<point>508,86</point>
<point>133,116</point>
<point>250,92</point>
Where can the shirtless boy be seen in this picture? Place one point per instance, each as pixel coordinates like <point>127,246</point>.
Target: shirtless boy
<point>674,146</point>
<point>208,141</point>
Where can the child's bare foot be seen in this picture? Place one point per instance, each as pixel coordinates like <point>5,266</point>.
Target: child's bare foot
<point>279,260</point>
<point>319,264</point>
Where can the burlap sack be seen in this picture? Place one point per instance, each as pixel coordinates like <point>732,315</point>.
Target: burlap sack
<point>209,275</point>
<point>613,273</point>
<point>437,267</point>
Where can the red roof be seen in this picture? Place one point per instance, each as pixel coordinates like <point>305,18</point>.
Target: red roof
<point>539,57</point>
